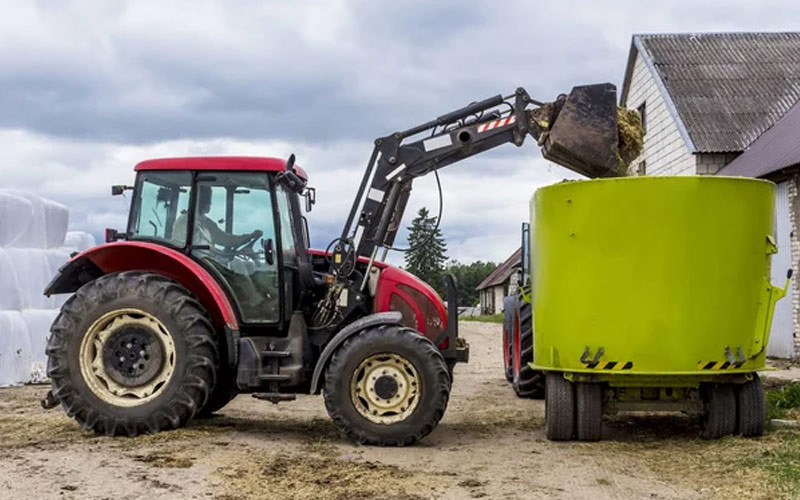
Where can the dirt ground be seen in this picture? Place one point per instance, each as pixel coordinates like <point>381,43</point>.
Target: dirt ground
<point>490,444</point>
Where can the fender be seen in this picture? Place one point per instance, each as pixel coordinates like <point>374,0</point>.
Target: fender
<point>391,317</point>
<point>143,256</point>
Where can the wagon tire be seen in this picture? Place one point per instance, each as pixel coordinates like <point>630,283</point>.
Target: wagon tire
<point>559,408</point>
<point>719,419</point>
<point>751,408</point>
<point>386,386</point>
<point>132,314</point>
<point>527,382</point>
<point>509,306</point>
<point>589,408</point>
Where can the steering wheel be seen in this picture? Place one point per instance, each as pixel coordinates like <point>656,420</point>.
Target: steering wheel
<point>246,249</point>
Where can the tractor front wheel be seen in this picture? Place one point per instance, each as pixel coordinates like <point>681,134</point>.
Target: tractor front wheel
<point>386,386</point>
<point>527,382</point>
<point>132,353</point>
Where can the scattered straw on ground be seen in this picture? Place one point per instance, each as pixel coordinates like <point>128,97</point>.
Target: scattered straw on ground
<point>325,478</point>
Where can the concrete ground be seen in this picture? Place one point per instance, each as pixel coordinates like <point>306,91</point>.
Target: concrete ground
<point>490,444</point>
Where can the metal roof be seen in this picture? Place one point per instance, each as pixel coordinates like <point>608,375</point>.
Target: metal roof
<point>503,271</point>
<point>249,163</point>
<point>724,89</point>
<point>777,148</point>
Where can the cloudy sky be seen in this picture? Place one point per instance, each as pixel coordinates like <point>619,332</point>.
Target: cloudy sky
<point>89,88</point>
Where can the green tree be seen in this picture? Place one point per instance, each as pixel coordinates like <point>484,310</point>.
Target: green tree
<point>468,277</point>
<point>427,253</point>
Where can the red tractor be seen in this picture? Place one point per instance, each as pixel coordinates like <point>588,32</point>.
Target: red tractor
<point>212,290</point>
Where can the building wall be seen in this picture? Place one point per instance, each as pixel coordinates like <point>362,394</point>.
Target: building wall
<point>794,217</point>
<point>665,152</point>
<point>711,163</point>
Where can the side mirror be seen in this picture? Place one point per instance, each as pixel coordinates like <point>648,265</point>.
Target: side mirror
<point>118,189</point>
<point>114,235</point>
<point>310,195</point>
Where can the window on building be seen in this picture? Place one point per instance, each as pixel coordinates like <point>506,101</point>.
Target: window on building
<point>641,169</point>
<point>642,109</point>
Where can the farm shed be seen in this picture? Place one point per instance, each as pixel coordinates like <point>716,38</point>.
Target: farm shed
<point>503,281</point>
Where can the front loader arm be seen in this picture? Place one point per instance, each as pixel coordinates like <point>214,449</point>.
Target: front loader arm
<point>381,199</point>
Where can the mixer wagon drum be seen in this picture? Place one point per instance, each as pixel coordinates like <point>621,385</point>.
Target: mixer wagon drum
<point>653,293</point>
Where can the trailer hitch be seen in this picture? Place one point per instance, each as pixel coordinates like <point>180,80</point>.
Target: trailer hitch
<point>596,359</point>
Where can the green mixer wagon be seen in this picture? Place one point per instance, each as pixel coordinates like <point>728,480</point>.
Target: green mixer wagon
<point>652,293</point>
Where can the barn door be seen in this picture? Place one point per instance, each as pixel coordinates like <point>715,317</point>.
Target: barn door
<point>781,337</point>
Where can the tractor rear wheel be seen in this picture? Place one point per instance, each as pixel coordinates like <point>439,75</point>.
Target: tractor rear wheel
<point>751,409</point>
<point>720,416</point>
<point>132,353</point>
<point>559,408</point>
<point>225,389</point>
<point>509,309</point>
<point>589,411</point>
<point>527,382</point>
<point>386,386</point>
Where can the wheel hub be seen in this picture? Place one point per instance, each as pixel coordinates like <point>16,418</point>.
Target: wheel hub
<point>127,357</point>
<point>385,388</point>
<point>132,356</point>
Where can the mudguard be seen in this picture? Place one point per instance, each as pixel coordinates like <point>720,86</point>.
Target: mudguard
<point>383,318</point>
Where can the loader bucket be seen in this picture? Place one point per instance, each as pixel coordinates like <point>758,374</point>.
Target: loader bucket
<point>584,136</point>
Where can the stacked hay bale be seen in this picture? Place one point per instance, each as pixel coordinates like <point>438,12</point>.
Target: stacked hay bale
<point>34,243</point>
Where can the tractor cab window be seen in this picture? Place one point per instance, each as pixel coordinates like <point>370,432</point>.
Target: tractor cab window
<point>234,234</point>
<point>160,203</point>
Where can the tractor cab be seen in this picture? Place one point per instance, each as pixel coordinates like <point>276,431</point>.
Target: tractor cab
<point>235,218</point>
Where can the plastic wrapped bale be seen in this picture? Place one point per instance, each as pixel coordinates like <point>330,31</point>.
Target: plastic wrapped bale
<point>33,272</point>
<point>38,322</point>
<point>10,293</point>
<point>15,217</point>
<point>79,240</point>
<point>15,349</point>
<point>33,235</point>
<point>56,218</point>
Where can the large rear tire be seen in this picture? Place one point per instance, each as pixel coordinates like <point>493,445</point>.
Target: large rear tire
<point>509,309</point>
<point>751,408</point>
<point>225,389</point>
<point>720,417</point>
<point>559,408</point>
<point>386,386</point>
<point>132,353</point>
<point>527,382</point>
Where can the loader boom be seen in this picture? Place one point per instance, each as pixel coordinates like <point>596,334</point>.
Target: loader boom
<point>380,202</point>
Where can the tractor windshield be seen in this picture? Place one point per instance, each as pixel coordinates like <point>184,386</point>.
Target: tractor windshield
<point>160,198</point>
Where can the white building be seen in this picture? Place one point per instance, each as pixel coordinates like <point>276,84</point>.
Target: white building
<point>503,281</point>
<point>706,98</point>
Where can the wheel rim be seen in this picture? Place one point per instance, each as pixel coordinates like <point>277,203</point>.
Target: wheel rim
<point>127,357</point>
<point>385,388</point>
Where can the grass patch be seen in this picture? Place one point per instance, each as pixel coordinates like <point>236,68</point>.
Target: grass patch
<point>492,318</point>
<point>783,402</point>
<point>782,463</point>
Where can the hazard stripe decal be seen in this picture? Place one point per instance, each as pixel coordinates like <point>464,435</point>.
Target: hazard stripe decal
<point>610,365</point>
<point>718,365</point>
<point>485,127</point>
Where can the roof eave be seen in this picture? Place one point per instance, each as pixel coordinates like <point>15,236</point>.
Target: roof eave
<point>673,111</point>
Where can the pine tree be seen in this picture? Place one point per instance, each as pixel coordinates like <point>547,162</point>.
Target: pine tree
<point>427,253</point>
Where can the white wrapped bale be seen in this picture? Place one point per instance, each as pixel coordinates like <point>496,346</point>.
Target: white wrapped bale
<point>10,292</point>
<point>79,240</point>
<point>38,323</point>
<point>56,218</point>
<point>15,217</point>
<point>33,274</point>
<point>15,349</point>
<point>34,234</point>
